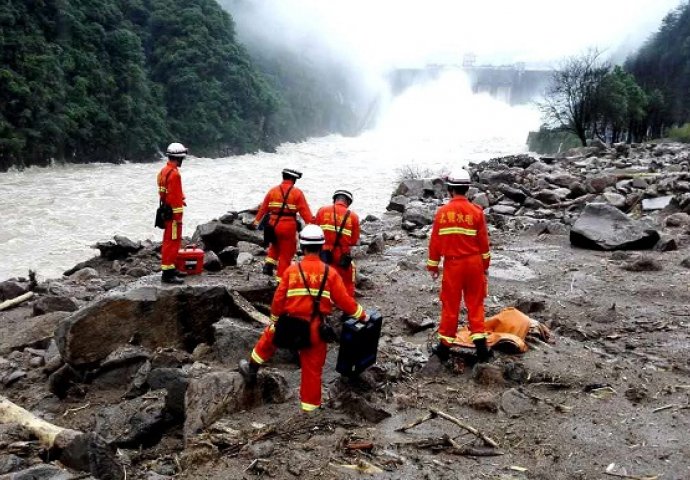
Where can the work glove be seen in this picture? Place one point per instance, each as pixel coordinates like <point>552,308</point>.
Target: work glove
<point>252,226</point>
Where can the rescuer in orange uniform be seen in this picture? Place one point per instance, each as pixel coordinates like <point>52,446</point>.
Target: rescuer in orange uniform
<point>341,228</point>
<point>459,235</point>
<point>170,192</point>
<point>295,297</point>
<point>282,203</point>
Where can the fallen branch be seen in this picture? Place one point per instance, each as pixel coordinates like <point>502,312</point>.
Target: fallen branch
<point>75,410</point>
<point>419,421</point>
<point>609,471</point>
<point>248,311</point>
<point>7,304</point>
<point>489,441</point>
<point>87,452</point>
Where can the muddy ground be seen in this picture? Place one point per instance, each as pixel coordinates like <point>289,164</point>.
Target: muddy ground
<point>613,387</point>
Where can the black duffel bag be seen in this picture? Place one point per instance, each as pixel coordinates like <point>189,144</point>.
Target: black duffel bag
<point>269,234</point>
<point>164,213</point>
<point>292,333</point>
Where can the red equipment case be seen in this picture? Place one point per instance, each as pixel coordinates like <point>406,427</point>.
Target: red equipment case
<point>190,260</point>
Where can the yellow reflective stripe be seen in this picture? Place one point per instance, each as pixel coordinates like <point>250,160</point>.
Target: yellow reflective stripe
<point>274,318</point>
<point>308,407</point>
<point>174,230</point>
<point>486,255</point>
<point>257,358</point>
<point>432,263</point>
<point>178,210</point>
<point>271,261</point>
<point>277,279</point>
<point>289,206</point>
<point>457,231</point>
<point>168,267</point>
<point>162,189</point>
<point>332,228</point>
<point>359,311</point>
<point>476,336</point>
<point>447,339</point>
<point>303,292</point>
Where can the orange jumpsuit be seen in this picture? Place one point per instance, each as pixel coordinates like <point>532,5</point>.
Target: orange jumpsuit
<point>170,191</point>
<point>459,235</point>
<point>282,252</point>
<point>294,299</point>
<point>330,219</point>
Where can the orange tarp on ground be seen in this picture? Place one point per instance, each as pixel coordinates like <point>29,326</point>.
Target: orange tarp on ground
<point>507,329</point>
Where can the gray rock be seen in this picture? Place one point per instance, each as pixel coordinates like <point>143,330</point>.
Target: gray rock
<point>643,264</point>
<point>228,256</point>
<point>658,203</point>
<point>175,382</point>
<point>547,196</point>
<point>118,369</point>
<point>216,394</point>
<point>562,179</point>
<point>514,194</point>
<point>666,244</point>
<point>503,209</point>
<point>604,227</point>
<point>261,449</point>
<point>639,182</point>
<point>216,236</point>
<point>155,316</point>
<point>119,248</point>
<point>84,275</point>
<point>211,262</point>
<point>377,245</point>
<point>398,203</point>
<point>244,258</point>
<point>418,214</point>
<point>228,218</point>
<point>488,374</point>
<point>599,183</point>
<point>233,340</point>
<point>49,304</point>
<point>13,377</point>
<point>43,472</point>
<point>680,219</point>
<point>685,262</point>
<point>615,199</point>
<point>136,272</point>
<point>10,289</point>
<point>31,332</point>
<point>11,463</point>
<point>482,200</point>
<point>577,190</point>
<point>133,423</point>
<point>483,401</point>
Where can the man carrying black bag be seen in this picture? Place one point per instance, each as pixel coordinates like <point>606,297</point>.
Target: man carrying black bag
<point>306,294</point>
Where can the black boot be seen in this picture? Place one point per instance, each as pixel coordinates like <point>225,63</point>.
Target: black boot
<point>179,274</point>
<point>483,352</point>
<point>441,351</point>
<point>168,276</point>
<point>268,269</point>
<point>248,370</point>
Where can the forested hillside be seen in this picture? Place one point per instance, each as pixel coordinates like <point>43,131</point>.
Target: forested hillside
<point>106,80</point>
<point>662,67</point>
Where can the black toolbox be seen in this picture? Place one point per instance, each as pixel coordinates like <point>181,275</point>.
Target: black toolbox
<point>359,343</point>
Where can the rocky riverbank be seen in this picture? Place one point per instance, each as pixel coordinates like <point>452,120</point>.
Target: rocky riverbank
<point>151,369</point>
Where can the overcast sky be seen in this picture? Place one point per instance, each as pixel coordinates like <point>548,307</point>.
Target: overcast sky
<point>384,33</point>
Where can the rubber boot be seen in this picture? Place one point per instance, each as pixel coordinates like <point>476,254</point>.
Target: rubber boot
<point>168,276</point>
<point>268,269</point>
<point>441,351</point>
<point>483,352</point>
<point>248,370</point>
<point>180,274</point>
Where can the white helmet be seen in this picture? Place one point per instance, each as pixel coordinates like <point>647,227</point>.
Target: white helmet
<point>176,150</point>
<point>311,235</point>
<point>458,178</point>
<point>344,193</point>
<point>291,172</point>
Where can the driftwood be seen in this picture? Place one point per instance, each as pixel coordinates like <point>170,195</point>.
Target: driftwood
<point>451,446</point>
<point>87,452</point>
<point>433,413</point>
<point>7,304</point>
<point>248,311</point>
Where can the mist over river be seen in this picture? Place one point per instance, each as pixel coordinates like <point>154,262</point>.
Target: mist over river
<point>51,216</point>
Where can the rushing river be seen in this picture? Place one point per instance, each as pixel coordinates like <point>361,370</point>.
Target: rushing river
<point>51,216</point>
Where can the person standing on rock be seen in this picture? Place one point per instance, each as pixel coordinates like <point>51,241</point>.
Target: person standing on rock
<point>172,197</point>
<point>306,294</point>
<point>282,203</point>
<point>459,236</point>
<point>341,229</point>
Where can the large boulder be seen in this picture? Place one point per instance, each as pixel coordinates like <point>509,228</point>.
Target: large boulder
<point>31,332</point>
<point>416,188</point>
<point>603,227</point>
<point>234,339</point>
<point>154,316</point>
<point>216,394</point>
<point>118,248</point>
<point>10,289</point>
<point>54,303</point>
<point>217,236</point>
<point>419,214</point>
